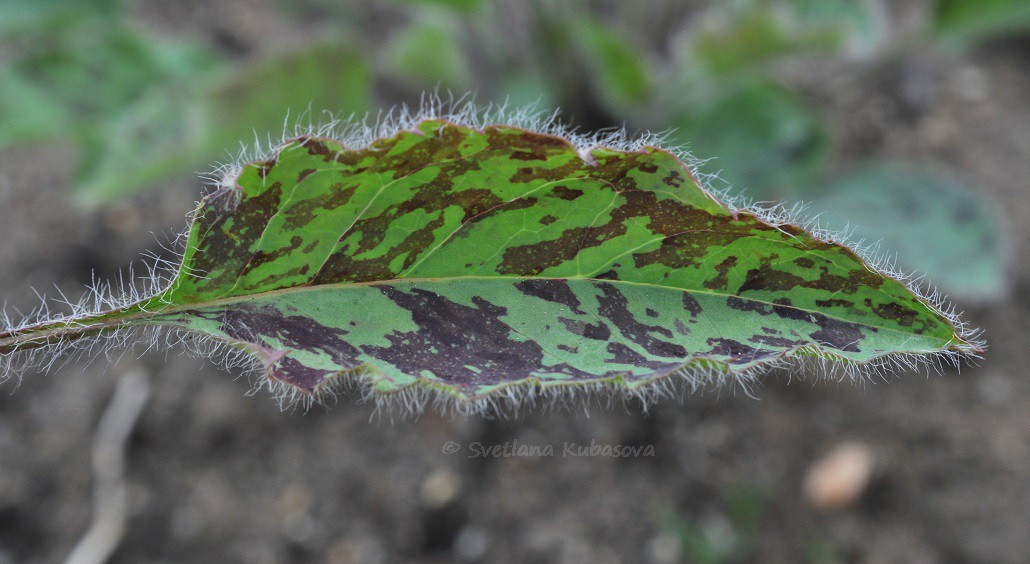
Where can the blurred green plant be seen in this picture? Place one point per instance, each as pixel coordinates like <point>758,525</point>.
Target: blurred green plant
<point>175,126</point>
<point>619,69</point>
<point>727,536</point>
<point>762,137</point>
<point>938,225</point>
<point>73,75</point>
<point>820,551</point>
<point>140,108</point>
<point>963,21</point>
<point>428,53</point>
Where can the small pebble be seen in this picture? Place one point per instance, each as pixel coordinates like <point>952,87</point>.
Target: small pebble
<point>441,488</point>
<point>838,479</point>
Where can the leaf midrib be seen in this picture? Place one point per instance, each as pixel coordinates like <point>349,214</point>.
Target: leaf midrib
<point>345,285</point>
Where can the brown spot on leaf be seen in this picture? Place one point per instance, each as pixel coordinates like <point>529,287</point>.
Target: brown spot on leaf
<point>555,291</point>
<point>253,324</point>
<point>738,352</point>
<point>614,307</point>
<point>459,344</point>
<point>721,281</point>
<point>566,193</point>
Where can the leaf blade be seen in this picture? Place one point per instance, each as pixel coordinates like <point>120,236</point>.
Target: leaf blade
<point>472,260</point>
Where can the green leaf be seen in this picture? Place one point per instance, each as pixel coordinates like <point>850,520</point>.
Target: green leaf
<point>459,6</point>
<point>745,39</point>
<point>101,67</point>
<point>173,130</point>
<point>427,52</point>
<point>938,226</point>
<point>116,93</point>
<point>156,137</point>
<point>330,74</point>
<point>26,113</point>
<point>964,20</point>
<point>31,16</point>
<point>763,140</point>
<point>854,23</point>
<point>619,68</point>
<point>524,89</point>
<point>479,262</point>
<point>750,41</point>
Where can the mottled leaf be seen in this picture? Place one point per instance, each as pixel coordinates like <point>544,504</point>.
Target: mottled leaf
<point>473,261</point>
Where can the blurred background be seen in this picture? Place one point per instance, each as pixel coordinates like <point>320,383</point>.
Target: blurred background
<point>907,122</point>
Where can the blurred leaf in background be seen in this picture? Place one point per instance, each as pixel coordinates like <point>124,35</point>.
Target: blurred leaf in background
<point>25,115</point>
<point>170,130</point>
<point>83,73</point>
<point>329,74</point>
<point>728,534</point>
<point>938,226</point>
<point>734,44</point>
<point>619,70</point>
<point>855,26</point>
<point>428,52</point>
<point>141,108</point>
<point>29,16</point>
<point>963,21</point>
<point>763,141</point>
<point>459,6</point>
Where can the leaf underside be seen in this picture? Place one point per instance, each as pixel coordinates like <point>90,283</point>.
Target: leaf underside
<point>468,261</point>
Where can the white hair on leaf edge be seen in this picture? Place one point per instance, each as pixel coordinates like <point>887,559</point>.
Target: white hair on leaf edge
<point>506,400</point>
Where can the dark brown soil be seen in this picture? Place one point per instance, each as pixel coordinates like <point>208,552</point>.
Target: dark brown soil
<point>215,476</point>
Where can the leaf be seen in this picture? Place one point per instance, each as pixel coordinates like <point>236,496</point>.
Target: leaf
<point>763,140</point>
<point>458,6</point>
<point>114,91</point>
<point>481,262</point>
<point>752,40</point>
<point>26,16</point>
<point>26,114</point>
<point>155,137</point>
<point>100,67</point>
<point>938,226</point>
<point>857,24</point>
<point>173,129</point>
<point>329,73</point>
<point>524,90</point>
<point>428,52</point>
<point>960,21</point>
<point>619,68</point>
